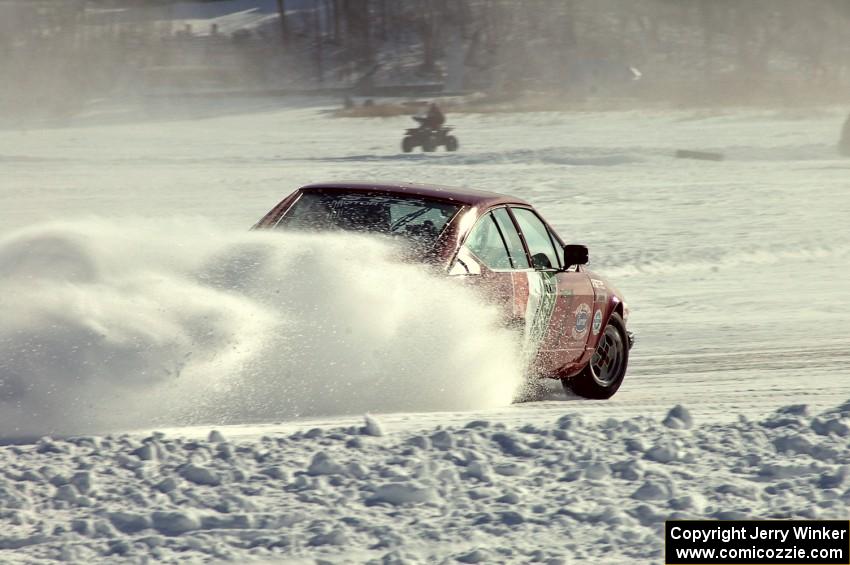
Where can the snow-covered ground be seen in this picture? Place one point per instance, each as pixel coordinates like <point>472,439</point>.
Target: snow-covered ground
<point>568,491</point>
<point>133,299</point>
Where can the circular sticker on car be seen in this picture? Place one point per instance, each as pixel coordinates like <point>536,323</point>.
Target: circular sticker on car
<point>597,322</point>
<point>582,317</point>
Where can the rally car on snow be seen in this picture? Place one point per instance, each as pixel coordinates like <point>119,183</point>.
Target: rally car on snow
<point>572,321</point>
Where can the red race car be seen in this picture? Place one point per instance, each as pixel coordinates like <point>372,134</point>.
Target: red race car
<point>572,321</point>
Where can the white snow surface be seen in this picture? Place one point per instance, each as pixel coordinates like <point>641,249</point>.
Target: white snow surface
<point>569,491</point>
<point>133,298</point>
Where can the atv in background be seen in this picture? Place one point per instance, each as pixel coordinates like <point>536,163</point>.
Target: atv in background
<point>428,138</point>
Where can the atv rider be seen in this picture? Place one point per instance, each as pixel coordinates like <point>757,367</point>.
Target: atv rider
<point>433,119</point>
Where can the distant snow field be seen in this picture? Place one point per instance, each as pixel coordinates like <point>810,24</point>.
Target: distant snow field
<point>138,314</point>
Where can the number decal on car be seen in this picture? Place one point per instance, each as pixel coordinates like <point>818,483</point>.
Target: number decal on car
<point>597,322</point>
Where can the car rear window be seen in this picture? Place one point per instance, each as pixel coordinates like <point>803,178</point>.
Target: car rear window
<point>419,220</point>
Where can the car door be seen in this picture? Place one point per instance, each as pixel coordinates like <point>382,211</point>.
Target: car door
<point>566,331</point>
<point>485,258</point>
<point>535,298</point>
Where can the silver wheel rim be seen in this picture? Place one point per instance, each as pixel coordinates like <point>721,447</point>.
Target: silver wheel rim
<point>608,359</point>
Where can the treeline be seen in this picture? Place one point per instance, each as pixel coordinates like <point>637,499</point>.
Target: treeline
<point>552,43</point>
<point>656,49</point>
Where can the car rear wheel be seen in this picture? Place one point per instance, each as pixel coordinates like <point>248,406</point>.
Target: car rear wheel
<point>607,368</point>
<point>451,143</point>
<point>407,144</point>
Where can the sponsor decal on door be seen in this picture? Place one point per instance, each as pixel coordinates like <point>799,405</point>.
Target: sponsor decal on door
<point>582,317</point>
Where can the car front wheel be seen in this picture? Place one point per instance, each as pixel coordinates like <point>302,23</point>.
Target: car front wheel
<point>607,368</point>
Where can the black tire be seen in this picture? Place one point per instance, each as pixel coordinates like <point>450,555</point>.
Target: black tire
<point>451,143</point>
<point>428,145</point>
<point>407,144</point>
<point>607,368</point>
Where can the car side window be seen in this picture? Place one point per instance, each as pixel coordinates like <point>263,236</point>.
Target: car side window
<point>487,244</point>
<point>514,243</point>
<point>538,239</point>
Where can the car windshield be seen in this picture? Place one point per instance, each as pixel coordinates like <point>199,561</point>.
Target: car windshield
<point>417,220</point>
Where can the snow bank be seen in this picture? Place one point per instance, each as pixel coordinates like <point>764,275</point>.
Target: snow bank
<point>109,326</point>
<point>570,491</point>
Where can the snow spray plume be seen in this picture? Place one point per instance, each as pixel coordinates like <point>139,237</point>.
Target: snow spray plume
<point>109,327</point>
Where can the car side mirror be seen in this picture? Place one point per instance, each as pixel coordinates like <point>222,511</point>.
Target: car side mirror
<point>575,255</point>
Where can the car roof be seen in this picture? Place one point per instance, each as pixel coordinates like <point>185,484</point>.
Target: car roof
<point>467,196</point>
